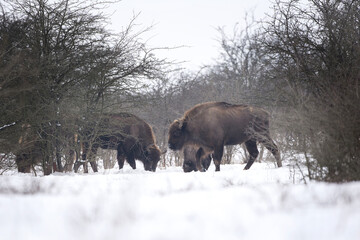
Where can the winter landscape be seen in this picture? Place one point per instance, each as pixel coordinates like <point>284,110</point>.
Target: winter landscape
<point>264,202</point>
<point>147,78</point>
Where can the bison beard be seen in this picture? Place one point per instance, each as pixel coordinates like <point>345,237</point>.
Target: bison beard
<point>213,125</point>
<point>131,136</point>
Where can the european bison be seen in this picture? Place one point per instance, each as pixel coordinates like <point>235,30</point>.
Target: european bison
<point>190,153</point>
<point>215,124</point>
<point>131,136</point>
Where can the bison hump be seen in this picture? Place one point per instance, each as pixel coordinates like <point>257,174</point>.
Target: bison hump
<point>199,108</point>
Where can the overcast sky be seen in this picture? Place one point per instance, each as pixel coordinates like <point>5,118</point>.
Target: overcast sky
<point>190,23</point>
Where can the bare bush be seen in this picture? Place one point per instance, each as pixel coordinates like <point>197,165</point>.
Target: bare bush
<point>313,50</point>
<point>59,67</point>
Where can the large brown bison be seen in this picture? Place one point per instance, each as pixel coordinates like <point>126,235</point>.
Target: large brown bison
<point>213,125</point>
<point>131,136</point>
<point>190,154</point>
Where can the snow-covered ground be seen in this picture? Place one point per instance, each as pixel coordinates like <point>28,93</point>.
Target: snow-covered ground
<point>262,203</point>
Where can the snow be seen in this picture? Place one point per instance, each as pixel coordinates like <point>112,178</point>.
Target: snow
<point>262,203</point>
<point>7,125</point>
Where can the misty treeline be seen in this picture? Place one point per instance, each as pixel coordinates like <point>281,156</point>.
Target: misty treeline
<point>60,69</point>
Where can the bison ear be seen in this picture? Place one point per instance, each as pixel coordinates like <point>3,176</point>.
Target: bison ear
<point>182,124</point>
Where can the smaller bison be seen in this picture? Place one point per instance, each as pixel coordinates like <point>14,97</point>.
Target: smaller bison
<point>190,154</point>
<point>213,125</point>
<point>131,136</point>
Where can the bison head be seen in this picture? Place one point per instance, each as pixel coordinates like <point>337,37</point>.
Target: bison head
<point>176,135</point>
<point>189,158</point>
<point>152,157</point>
<point>189,166</point>
<point>192,152</point>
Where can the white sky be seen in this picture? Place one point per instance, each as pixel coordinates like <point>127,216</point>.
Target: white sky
<point>190,23</point>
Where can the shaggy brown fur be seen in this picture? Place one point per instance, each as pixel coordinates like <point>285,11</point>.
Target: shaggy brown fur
<point>131,136</point>
<point>213,125</point>
<point>190,153</point>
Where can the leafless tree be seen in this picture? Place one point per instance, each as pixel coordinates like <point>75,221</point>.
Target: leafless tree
<point>59,67</point>
<point>313,52</point>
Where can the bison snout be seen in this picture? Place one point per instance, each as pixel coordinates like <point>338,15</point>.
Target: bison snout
<point>188,166</point>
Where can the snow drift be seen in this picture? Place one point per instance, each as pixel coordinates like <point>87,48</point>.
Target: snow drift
<point>262,203</point>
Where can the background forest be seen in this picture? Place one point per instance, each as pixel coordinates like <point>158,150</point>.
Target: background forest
<point>60,68</point>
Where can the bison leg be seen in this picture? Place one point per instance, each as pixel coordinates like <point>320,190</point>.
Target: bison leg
<point>206,162</point>
<point>271,146</point>
<point>120,158</point>
<point>131,160</point>
<point>218,153</point>
<point>93,165</point>
<point>198,158</point>
<point>253,151</point>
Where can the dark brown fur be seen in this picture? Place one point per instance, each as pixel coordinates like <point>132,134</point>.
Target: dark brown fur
<point>213,125</point>
<point>131,136</point>
<point>190,153</point>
